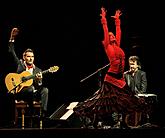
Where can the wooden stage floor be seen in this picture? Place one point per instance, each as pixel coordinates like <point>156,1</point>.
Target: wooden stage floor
<point>58,129</point>
<point>78,132</point>
<point>53,129</point>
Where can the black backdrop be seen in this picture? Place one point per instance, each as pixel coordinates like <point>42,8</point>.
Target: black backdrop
<point>69,34</point>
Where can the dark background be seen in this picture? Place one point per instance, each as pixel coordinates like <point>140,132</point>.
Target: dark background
<point>69,34</point>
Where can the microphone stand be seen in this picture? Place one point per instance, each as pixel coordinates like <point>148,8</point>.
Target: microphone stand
<point>99,70</point>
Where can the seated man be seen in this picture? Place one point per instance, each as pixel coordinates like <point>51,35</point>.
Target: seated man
<point>135,77</point>
<point>137,81</point>
<point>36,91</point>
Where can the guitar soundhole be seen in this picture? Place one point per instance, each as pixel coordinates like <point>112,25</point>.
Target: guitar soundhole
<point>12,79</point>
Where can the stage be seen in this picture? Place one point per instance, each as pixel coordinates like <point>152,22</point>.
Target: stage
<point>73,128</point>
<point>77,132</point>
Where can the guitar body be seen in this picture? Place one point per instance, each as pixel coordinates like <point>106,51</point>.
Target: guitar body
<point>14,81</point>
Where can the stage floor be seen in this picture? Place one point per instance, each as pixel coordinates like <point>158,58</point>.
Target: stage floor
<point>54,128</point>
<point>78,132</point>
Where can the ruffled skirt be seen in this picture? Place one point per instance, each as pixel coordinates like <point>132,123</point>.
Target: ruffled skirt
<point>109,99</point>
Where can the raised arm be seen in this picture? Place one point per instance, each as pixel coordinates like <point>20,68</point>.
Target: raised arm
<point>14,33</point>
<point>105,27</point>
<point>118,28</point>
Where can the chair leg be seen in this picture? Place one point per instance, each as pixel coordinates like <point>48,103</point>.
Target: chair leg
<point>41,118</point>
<point>23,118</point>
<point>16,117</point>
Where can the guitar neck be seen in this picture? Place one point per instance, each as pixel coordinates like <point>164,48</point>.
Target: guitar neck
<point>45,71</point>
<point>33,75</point>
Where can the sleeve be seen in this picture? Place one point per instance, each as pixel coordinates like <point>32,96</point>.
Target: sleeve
<point>105,42</point>
<point>143,82</point>
<point>118,31</point>
<point>16,59</point>
<point>38,82</point>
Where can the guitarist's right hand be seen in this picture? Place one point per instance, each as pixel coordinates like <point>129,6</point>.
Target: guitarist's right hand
<point>13,34</point>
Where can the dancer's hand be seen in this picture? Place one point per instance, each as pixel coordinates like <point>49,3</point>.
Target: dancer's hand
<point>117,14</point>
<point>103,12</point>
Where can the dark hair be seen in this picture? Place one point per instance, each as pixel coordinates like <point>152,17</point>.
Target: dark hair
<point>27,50</point>
<point>135,58</point>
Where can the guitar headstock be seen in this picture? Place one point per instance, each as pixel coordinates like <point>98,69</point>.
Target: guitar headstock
<point>53,69</point>
<point>14,33</point>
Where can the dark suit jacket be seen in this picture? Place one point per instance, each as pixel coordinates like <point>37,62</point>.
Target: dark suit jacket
<point>21,66</point>
<point>138,83</point>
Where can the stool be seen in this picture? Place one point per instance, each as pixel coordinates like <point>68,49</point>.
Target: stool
<point>22,107</point>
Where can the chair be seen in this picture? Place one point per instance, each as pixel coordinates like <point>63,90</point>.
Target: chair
<point>21,112</point>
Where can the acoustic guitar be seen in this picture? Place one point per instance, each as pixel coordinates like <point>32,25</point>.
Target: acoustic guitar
<point>16,81</point>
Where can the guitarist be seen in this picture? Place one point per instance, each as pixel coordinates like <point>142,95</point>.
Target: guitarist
<point>36,91</point>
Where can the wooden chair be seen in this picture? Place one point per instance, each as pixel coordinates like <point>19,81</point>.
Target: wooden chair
<point>21,108</point>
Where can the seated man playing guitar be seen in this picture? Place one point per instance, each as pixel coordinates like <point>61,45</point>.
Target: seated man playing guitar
<point>24,90</point>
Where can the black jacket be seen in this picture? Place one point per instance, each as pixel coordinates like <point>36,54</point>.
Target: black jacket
<point>138,82</point>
